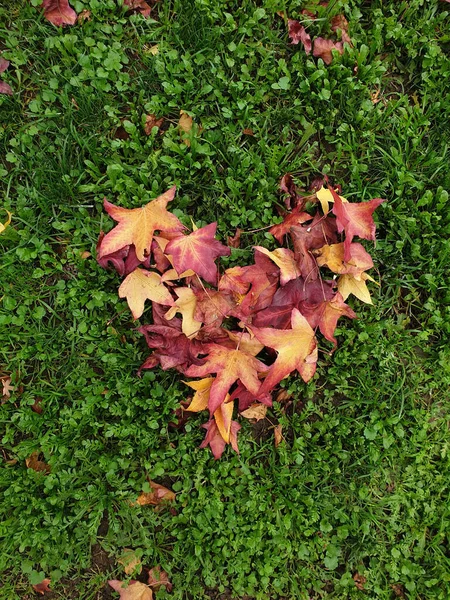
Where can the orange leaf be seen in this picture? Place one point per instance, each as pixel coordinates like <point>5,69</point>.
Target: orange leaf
<point>42,587</point>
<point>278,435</point>
<point>33,462</point>
<point>137,225</point>
<point>141,285</point>
<point>223,417</point>
<point>333,257</point>
<point>296,347</point>
<point>202,389</point>
<point>285,261</point>
<point>158,495</point>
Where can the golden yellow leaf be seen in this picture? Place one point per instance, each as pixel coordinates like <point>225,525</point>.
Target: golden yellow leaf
<point>186,305</point>
<point>223,417</point>
<point>4,225</point>
<point>141,285</point>
<point>246,342</point>
<point>349,284</point>
<point>325,197</point>
<point>285,261</point>
<point>202,388</point>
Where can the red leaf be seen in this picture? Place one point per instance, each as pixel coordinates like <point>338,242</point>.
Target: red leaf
<point>298,33</point>
<point>59,12</point>
<point>215,441</point>
<point>325,315</point>
<point>4,64</point>
<point>197,251</point>
<point>287,185</point>
<point>5,88</point>
<point>310,237</point>
<point>139,6</point>
<point>296,347</point>
<point>173,348</point>
<point>355,219</point>
<point>323,47</point>
<point>230,365</point>
<point>296,217</point>
<point>246,398</point>
<point>42,587</point>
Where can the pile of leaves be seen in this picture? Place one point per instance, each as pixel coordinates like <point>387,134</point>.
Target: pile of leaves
<point>244,330</point>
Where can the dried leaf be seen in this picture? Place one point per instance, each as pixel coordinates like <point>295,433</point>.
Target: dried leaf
<point>359,580</point>
<point>298,33</point>
<point>134,590</point>
<point>139,6</point>
<point>42,587</point>
<point>186,305</point>
<point>235,241</point>
<point>130,562</point>
<point>59,12</point>
<point>142,285</point>
<point>255,411</point>
<point>158,495</point>
<point>6,387</point>
<point>152,121</point>
<point>323,49</point>
<point>157,578</point>
<point>37,406</point>
<point>278,435</point>
<point>247,131</point>
<point>185,123</point>
<point>33,462</point>
<point>85,15</point>
<point>340,23</point>
<point>285,261</point>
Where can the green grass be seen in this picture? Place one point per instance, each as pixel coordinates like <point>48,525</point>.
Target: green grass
<point>360,483</point>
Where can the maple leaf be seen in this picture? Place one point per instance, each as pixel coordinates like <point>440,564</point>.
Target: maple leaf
<point>202,389</point>
<point>310,237</point>
<point>296,347</point>
<point>223,418</point>
<point>139,6</point>
<point>186,305</point>
<point>298,33</point>
<point>355,218</point>
<point>137,225</point>
<point>325,196</point>
<point>197,251</point>
<point>325,315</point>
<point>323,47</point>
<point>246,398</point>
<point>235,240</point>
<point>230,366</point>
<point>59,12</point>
<point>285,261</point>
<point>333,257</point>
<point>174,349</point>
<point>212,308</point>
<point>350,284</point>
<point>130,561</point>
<point>255,411</point>
<point>157,578</point>
<point>296,217</point>
<point>142,285</point>
<point>42,587</point>
<point>215,441</point>
<point>158,495</point>
<point>5,88</point>
<point>134,590</point>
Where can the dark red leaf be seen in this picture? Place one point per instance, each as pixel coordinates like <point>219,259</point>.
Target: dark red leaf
<point>59,12</point>
<point>298,33</point>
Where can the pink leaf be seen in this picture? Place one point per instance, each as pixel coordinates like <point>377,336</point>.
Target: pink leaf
<point>59,12</point>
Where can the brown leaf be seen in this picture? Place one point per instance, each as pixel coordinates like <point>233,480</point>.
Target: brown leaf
<point>33,462</point>
<point>85,15</point>
<point>359,580</point>
<point>235,241</point>
<point>134,590</point>
<point>7,387</point>
<point>42,587</point>
<point>185,123</point>
<point>152,121</point>
<point>323,47</point>
<point>282,396</point>
<point>298,33</point>
<point>130,562</point>
<point>399,590</point>
<point>140,6</point>
<point>157,496</point>
<point>59,12</point>
<point>256,411</point>
<point>278,436</point>
<point>37,406</point>
<point>340,23</point>
<point>248,132</point>
<point>158,577</point>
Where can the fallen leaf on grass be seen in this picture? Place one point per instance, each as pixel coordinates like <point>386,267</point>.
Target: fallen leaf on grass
<point>85,15</point>
<point>5,88</point>
<point>278,435</point>
<point>33,462</point>
<point>157,496</point>
<point>359,580</point>
<point>130,562</point>
<point>135,590</point>
<point>139,6</point>
<point>6,387</point>
<point>340,23</point>
<point>349,284</point>
<point>323,49</point>
<point>235,241</point>
<point>141,285</point>
<point>37,406</point>
<point>255,411</point>
<point>247,131</point>
<point>42,587</point>
<point>186,304</point>
<point>298,33</point>
<point>59,12</point>
<point>157,577</point>
<point>152,121</point>
<point>202,389</point>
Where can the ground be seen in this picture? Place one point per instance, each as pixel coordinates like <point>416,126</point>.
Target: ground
<point>357,491</point>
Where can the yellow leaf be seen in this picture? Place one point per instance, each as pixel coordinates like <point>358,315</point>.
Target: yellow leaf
<point>325,197</point>
<point>223,417</point>
<point>141,285</point>
<point>285,261</point>
<point>349,284</point>
<point>246,342</point>
<point>4,225</point>
<point>186,305</point>
<point>256,411</point>
<point>202,388</point>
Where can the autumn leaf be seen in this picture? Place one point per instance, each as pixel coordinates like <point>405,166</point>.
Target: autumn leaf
<point>185,124</point>
<point>197,251</point>
<point>139,6</point>
<point>298,33</point>
<point>296,217</point>
<point>340,23</point>
<point>59,12</point>
<point>325,315</point>
<point>215,441</point>
<point>255,411</point>
<point>212,308</point>
<point>309,237</point>
<point>355,218</point>
<point>7,388</point>
<point>142,285</point>
<point>130,562</point>
<point>42,587</point>
<point>5,88</point>
<point>349,284</point>
<point>134,590</point>
<point>230,366</point>
<point>202,389</point>
<point>152,121</point>
<point>157,496</point>
<point>285,261</point>
<point>278,435</point>
<point>325,196</point>
<point>33,462</point>
<point>323,49</point>
<point>333,257</point>
<point>296,347</point>
<point>137,225</point>
<point>235,241</point>
<point>247,399</point>
<point>157,578</point>
<point>186,304</point>
<point>223,418</point>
